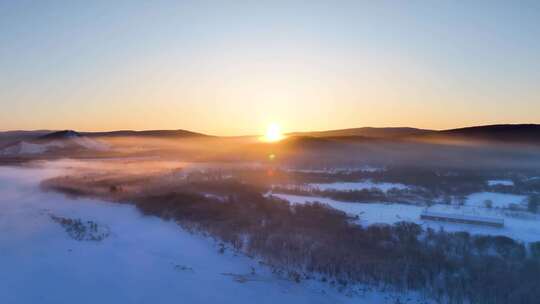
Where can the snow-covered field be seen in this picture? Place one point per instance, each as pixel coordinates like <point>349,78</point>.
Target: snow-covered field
<point>142,260</point>
<point>338,170</point>
<point>518,225</point>
<point>30,148</point>
<point>498,200</point>
<point>500,182</point>
<point>351,186</point>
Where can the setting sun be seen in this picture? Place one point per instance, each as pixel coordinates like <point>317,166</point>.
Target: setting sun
<point>273,133</point>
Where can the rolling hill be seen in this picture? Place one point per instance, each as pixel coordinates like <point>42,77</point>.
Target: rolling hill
<point>510,133</point>
<point>503,133</point>
<point>368,132</point>
<point>41,141</point>
<point>147,133</point>
<point>66,141</point>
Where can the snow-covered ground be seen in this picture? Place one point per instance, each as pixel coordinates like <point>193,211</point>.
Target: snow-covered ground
<point>25,148</point>
<point>30,148</point>
<point>518,225</point>
<point>351,186</point>
<point>338,170</point>
<point>143,260</point>
<point>498,200</point>
<point>500,182</point>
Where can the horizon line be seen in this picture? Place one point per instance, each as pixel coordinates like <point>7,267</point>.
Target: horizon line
<point>249,135</point>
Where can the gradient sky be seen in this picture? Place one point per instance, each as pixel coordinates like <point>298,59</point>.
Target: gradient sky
<point>232,67</point>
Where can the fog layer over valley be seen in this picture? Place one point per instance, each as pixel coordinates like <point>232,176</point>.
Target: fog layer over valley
<point>501,146</point>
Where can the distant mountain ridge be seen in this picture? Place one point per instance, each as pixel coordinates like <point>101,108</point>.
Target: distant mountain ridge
<point>514,132</point>
<point>368,132</point>
<point>10,137</point>
<point>60,135</point>
<point>509,133</point>
<point>7,137</point>
<point>504,133</point>
<point>500,133</point>
<point>151,133</point>
<point>53,142</point>
<point>24,133</point>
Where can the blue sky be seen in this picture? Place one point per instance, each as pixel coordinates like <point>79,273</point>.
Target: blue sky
<point>232,67</point>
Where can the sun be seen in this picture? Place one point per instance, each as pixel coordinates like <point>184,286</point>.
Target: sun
<point>273,133</point>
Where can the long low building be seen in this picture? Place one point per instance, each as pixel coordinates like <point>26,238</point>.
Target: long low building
<point>461,218</point>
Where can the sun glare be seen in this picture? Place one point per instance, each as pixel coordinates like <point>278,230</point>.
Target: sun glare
<point>273,133</point>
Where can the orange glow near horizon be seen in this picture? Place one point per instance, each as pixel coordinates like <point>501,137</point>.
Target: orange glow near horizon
<point>273,133</point>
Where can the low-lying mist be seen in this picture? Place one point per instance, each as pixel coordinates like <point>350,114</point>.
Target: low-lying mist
<point>333,152</point>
